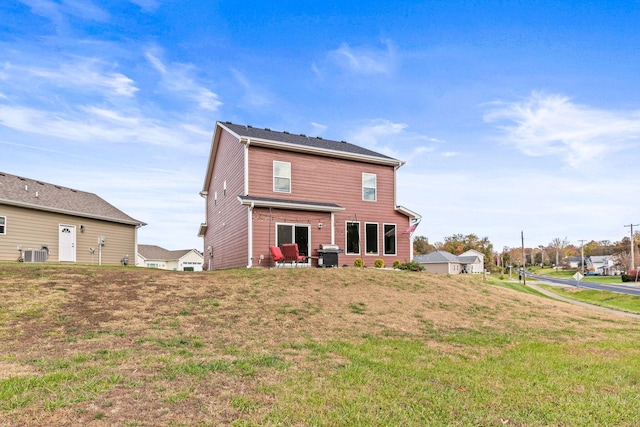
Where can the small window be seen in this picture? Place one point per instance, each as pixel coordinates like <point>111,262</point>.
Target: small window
<point>389,239</point>
<point>3,225</point>
<point>215,198</point>
<point>371,238</point>
<point>369,186</point>
<point>281,177</point>
<point>353,238</point>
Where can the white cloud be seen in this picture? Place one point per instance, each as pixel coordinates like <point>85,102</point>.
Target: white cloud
<point>392,139</point>
<point>177,79</point>
<point>545,125</point>
<point>253,96</point>
<point>364,60</point>
<point>318,127</point>
<point>94,125</point>
<point>85,75</point>
<point>57,12</point>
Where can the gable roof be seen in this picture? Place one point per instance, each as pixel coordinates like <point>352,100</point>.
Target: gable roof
<point>439,257</point>
<point>153,252</point>
<point>301,143</point>
<point>39,195</point>
<point>436,257</point>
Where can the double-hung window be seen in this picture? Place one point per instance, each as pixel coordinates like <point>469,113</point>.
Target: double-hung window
<point>3,225</point>
<point>281,177</point>
<point>369,186</point>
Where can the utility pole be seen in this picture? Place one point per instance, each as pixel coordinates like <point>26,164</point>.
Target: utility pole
<point>524,261</point>
<point>633,264</point>
<point>582,254</point>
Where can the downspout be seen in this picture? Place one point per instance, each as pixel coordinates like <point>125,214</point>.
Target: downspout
<point>246,193</point>
<point>246,167</point>
<point>250,235</point>
<point>204,195</point>
<point>333,228</point>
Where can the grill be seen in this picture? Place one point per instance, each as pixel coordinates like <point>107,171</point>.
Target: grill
<point>328,255</point>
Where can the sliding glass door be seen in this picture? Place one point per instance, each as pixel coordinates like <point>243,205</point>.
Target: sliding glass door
<point>294,233</point>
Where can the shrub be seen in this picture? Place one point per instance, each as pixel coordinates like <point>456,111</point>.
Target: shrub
<point>379,263</point>
<point>396,264</point>
<point>411,266</point>
<point>629,276</point>
<point>358,262</point>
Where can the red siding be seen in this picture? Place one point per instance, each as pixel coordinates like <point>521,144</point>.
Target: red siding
<point>264,230</point>
<point>227,226</point>
<point>328,180</point>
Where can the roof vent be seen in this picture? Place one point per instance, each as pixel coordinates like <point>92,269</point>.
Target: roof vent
<point>318,137</point>
<point>302,134</point>
<point>267,129</point>
<point>286,132</point>
<point>228,122</point>
<point>250,127</point>
<point>344,141</point>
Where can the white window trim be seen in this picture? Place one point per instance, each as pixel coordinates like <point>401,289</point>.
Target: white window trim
<point>375,187</point>
<point>4,226</point>
<point>287,177</point>
<point>395,239</point>
<point>346,236</point>
<point>377,238</point>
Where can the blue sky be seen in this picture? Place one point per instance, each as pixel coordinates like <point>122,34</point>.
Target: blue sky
<point>512,116</point>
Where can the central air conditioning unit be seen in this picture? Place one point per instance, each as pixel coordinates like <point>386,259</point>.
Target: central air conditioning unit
<point>35,256</point>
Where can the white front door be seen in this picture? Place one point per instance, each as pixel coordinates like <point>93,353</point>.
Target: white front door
<point>67,243</point>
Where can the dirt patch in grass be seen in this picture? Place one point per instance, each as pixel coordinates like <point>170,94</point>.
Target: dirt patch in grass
<point>152,347</point>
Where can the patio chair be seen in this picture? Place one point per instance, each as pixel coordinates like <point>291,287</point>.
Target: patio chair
<point>276,254</point>
<point>291,254</point>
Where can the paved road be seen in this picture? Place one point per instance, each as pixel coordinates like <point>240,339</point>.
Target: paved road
<point>621,288</point>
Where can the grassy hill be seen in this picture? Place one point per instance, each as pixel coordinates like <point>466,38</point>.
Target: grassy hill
<point>101,346</point>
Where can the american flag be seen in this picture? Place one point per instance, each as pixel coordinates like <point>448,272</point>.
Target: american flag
<point>411,228</point>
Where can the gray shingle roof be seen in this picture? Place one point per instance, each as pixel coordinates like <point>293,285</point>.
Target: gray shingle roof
<point>29,193</point>
<point>266,201</point>
<point>153,252</point>
<point>436,257</point>
<point>302,140</point>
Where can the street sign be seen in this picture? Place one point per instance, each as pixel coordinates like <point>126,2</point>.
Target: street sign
<point>578,276</point>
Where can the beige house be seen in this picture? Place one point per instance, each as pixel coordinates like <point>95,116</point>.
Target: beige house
<point>152,256</point>
<point>444,262</point>
<point>41,222</point>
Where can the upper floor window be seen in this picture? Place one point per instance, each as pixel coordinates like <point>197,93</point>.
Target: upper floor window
<point>3,225</point>
<point>281,177</point>
<point>369,186</point>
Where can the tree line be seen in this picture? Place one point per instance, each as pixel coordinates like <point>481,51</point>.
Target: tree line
<point>556,253</point>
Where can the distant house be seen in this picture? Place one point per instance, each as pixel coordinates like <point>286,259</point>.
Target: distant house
<point>267,188</point>
<point>472,261</point>
<point>446,263</point>
<point>152,256</point>
<point>575,262</point>
<point>41,222</point>
<point>602,265</point>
